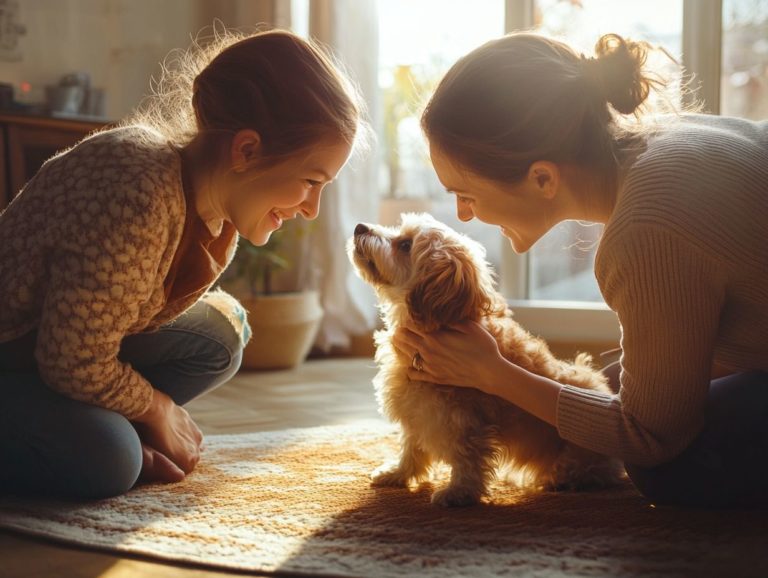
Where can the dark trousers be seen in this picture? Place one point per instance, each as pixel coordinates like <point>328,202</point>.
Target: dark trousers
<point>727,464</point>
<point>53,445</point>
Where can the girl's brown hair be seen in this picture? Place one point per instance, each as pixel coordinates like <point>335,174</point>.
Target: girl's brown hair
<point>284,87</point>
<point>525,97</point>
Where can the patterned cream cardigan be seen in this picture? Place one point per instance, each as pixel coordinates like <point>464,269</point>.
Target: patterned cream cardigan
<point>85,249</point>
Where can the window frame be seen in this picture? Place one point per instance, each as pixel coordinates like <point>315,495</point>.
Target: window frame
<point>594,322</point>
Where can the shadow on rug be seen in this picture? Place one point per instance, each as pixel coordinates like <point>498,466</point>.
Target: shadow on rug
<point>299,502</point>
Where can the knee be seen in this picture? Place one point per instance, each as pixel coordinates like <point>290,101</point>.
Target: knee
<point>106,459</point>
<point>649,483</point>
<point>228,319</point>
<point>236,361</point>
<point>679,483</point>
<point>221,326</point>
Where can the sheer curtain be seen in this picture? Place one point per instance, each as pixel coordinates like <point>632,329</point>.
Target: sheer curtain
<point>349,29</point>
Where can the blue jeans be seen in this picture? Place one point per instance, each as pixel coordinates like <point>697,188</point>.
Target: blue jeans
<point>56,446</point>
<point>726,465</point>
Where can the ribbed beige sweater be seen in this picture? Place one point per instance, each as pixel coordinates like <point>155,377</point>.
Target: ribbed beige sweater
<point>85,254</point>
<point>684,263</point>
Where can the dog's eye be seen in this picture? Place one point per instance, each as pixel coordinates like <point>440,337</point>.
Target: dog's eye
<point>404,246</point>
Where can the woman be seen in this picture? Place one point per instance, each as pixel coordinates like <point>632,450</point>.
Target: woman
<point>107,326</point>
<point>527,133</point>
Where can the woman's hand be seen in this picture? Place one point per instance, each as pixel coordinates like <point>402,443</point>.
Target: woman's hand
<point>465,355</point>
<point>169,430</point>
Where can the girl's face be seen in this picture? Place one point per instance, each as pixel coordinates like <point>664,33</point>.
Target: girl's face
<point>257,201</point>
<point>524,211</point>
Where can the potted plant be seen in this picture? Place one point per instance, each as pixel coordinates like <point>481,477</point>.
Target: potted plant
<point>284,321</point>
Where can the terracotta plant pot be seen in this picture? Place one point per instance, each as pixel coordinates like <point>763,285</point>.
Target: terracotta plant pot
<point>284,328</point>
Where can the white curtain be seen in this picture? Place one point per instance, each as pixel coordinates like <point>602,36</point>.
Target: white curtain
<point>350,29</point>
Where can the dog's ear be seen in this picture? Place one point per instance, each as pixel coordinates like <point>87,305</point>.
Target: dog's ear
<point>447,290</point>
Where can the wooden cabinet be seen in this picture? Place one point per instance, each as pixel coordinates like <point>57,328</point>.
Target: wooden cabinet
<point>27,142</point>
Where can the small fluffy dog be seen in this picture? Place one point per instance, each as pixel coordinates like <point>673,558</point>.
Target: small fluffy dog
<point>430,274</point>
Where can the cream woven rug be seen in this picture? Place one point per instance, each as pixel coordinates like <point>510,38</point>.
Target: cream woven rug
<point>299,502</point>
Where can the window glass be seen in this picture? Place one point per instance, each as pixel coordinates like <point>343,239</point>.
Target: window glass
<point>744,76</point>
<point>561,263</point>
<point>418,43</point>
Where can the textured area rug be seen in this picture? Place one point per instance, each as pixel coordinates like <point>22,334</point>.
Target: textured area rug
<point>299,502</point>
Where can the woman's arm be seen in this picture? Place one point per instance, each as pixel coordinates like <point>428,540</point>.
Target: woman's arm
<point>669,310</point>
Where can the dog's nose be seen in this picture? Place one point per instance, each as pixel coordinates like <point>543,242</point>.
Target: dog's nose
<point>361,229</point>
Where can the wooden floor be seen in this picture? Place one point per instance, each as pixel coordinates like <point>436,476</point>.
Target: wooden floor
<point>320,392</point>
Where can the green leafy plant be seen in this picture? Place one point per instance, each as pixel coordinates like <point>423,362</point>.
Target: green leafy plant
<point>256,265</point>
<point>270,268</point>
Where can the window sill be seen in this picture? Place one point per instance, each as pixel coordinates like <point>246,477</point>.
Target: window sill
<point>567,321</point>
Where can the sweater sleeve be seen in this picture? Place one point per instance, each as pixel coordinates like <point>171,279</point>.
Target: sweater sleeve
<point>102,268</point>
<point>668,296</point>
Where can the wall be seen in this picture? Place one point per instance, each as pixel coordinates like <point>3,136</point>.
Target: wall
<point>119,42</point>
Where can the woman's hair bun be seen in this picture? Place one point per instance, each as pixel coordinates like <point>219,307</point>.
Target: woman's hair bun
<point>617,72</point>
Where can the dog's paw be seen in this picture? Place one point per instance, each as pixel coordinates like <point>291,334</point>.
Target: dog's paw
<point>455,496</point>
<point>389,476</point>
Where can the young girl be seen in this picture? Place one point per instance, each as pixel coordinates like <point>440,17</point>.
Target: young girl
<point>526,133</point>
<point>107,326</point>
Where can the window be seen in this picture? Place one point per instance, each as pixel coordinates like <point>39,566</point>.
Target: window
<point>415,51</point>
<point>418,42</point>
<point>723,44</point>
<point>744,74</point>
<point>560,265</point>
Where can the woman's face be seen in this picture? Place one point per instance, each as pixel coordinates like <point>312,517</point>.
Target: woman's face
<point>257,201</point>
<point>524,211</point>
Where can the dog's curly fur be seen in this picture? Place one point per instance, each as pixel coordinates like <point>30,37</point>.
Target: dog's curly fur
<point>428,273</point>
